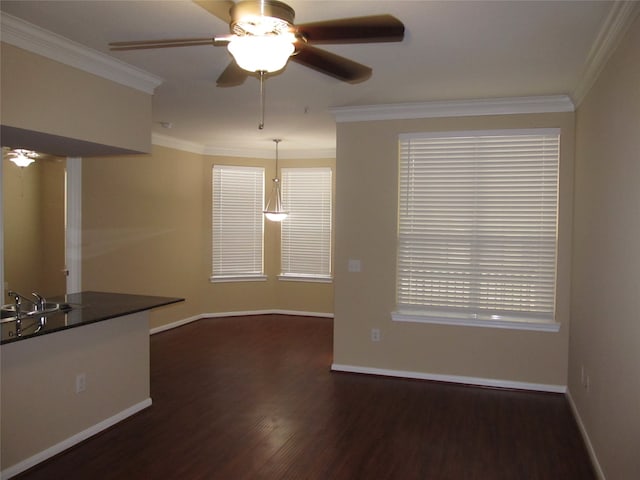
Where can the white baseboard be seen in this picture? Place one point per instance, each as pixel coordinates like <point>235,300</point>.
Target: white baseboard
<point>303,314</point>
<point>185,321</point>
<point>585,437</point>
<point>74,440</point>
<point>483,382</point>
<point>176,324</point>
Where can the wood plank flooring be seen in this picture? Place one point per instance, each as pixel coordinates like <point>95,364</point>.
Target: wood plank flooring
<point>253,398</point>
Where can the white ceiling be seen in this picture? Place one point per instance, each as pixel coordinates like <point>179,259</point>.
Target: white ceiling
<point>452,50</point>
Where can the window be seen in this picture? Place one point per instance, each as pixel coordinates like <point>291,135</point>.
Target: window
<point>477,228</point>
<point>238,195</point>
<point>306,232</point>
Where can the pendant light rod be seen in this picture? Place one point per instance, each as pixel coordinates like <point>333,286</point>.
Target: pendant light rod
<point>261,124</point>
<point>277,142</point>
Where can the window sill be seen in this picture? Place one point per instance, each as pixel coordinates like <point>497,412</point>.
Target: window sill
<point>305,278</point>
<point>524,324</point>
<point>238,278</point>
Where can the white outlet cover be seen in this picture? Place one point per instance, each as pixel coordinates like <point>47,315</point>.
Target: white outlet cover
<point>354,265</point>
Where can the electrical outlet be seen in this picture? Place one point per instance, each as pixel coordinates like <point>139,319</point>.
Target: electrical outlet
<point>81,382</point>
<point>375,334</point>
<point>584,378</point>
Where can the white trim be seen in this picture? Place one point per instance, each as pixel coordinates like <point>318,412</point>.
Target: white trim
<point>264,153</point>
<point>73,440</point>
<point>176,324</point>
<point>238,278</point>
<point>585,438</point>
<point>185,321</point>
<point>483,382</point>
<point>299,313</point>
<point>532,325</point>
<point>182,145</point>
<point>480,133</point>
<point>268,153</point>
<point>73,230</point>
<point>620,17</point>
<point>454,108</point>
<point>27,36</point>
<point>1,231</point>
<point>292,277</point>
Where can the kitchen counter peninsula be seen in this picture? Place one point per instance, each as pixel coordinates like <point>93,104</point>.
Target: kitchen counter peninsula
<point>84,308</point>
<point>73,374</point>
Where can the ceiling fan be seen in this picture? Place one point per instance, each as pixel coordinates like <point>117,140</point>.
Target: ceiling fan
<point>264,37</point>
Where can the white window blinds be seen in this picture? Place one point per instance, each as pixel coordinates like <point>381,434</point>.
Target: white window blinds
<point>238,196</point>
<point>477,224</point>
<point>306,232</point>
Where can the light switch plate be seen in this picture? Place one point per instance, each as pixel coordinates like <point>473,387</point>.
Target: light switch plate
<point>354,265</point>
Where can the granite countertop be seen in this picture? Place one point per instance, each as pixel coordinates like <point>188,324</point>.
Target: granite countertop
<point>86,308</point>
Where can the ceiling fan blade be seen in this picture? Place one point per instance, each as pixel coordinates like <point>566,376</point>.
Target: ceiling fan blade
<point>175,42</point>
<point>331,64</point>
<point>232,76</point>
<point>219,8</point>
<point>371,29</point>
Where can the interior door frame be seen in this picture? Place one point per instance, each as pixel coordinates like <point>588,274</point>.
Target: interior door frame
<point>73,224</point>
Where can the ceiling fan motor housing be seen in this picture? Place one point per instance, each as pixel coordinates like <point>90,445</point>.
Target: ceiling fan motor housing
<point>264,17</point>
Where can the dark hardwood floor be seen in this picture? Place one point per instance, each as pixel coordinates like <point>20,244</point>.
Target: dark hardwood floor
<point>253,398</point>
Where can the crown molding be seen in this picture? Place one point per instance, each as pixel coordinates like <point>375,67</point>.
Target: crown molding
<point>170,142</point>
<point>454,108</point>
<point>242,152</point>
<point>30,37</point>
<point>620,17</point>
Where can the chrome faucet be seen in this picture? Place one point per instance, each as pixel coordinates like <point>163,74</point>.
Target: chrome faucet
<point>39,303</point>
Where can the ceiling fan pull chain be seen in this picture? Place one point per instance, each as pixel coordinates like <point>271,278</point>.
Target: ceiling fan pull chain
<point>261,124</point>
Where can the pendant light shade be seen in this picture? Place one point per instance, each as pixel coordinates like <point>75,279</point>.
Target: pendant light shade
<point>274,209</point>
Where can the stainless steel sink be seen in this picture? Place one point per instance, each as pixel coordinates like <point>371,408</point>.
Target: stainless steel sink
<point>8,312</point>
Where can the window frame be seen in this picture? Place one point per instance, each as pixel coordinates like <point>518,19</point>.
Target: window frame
<point>258,188</point>
<point>424,314</point>
<point>325,275</point>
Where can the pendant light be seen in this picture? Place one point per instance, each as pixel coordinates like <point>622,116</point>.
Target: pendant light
<point>274,210</point>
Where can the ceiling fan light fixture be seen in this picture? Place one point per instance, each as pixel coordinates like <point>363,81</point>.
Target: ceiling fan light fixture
<point>262,53</point>
<point>261,25</point>
<point>261,17</point>
<point>22,157</point>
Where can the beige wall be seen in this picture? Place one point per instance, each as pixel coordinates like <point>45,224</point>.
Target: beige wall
<point>41,95</point>
<point>366,220</point>
<point>605,308</point>
<point>147,230</point>
<point>52,242</point>
<point>22,227</point>
<point>141,231</point>
<point>33,203</point>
